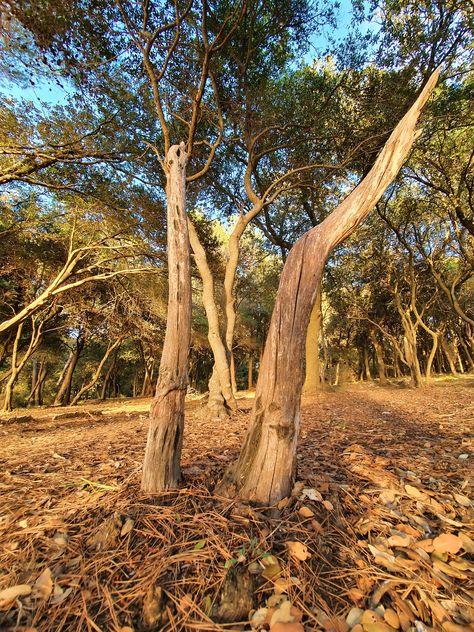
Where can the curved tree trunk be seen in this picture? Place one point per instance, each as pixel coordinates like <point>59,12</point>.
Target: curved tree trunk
<point>266,465</point>
<point>93,381</point>
<point>221,396</point>
<point>161,467</point>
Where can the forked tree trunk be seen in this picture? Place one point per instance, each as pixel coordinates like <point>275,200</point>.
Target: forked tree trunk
<point>265,469</point>
<point>161,467</point>
<point>312,381</point>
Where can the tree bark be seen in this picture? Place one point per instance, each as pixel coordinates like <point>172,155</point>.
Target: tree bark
<point>265,469</point>
<point>312,381</point>
<point>161,467</point>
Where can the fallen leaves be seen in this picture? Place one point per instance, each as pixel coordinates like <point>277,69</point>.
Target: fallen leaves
<point>298,550</point>
<point>9,595</point>
<point>447,543</point>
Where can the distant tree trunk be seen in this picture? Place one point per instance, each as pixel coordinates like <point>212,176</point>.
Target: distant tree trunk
<point>336,374</point>
<point>38,377</point>
<point>34,378</point>
<point>17,364</point>
<point>250,370</point>
<point>265,469</point>
<point>367,372</point>
<point>448,349</point>
<point>312,381</point>
<point>161,467</point>
<point>63,396</point>
<point>380,359</point>
<point>107,377</point>
<point>95,376</point>
<point>221,396</point>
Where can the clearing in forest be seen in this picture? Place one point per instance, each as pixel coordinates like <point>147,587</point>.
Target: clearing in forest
<point>375,533</point>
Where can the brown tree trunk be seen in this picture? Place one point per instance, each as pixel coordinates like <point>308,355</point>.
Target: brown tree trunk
<point>367,372</point>
<point>265,469</point>
<point>448,350</point>
<point>380,359</point>
<point>38,395</point>
<point>312,381</point>
<point>63,396</point>
<point>38,377</point>
<point>250,370</point>
<point>107,378</point>
<point>161,467</point>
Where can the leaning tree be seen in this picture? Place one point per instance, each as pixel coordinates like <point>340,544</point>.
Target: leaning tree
<point>264,471</point>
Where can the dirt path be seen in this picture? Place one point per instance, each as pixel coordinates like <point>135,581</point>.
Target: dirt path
<point>68,486</point>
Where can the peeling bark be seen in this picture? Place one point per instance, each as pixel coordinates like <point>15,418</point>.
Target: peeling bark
<point>161,467</point>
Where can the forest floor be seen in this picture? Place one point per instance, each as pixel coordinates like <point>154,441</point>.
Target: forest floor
<point>375,536</point>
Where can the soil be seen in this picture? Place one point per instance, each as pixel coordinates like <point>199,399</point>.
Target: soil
<point>383,473</point>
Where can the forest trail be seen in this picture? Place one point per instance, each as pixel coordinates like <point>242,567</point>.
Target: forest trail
<point>381,470</point>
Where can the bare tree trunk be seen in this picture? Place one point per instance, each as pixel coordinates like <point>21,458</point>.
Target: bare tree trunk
<point>107,377</point>
<point>250,370</point>
<point>63,396</point>
<point>336,374</point>
<point>40,383</point>
<point>221,377</point>
<point>367,372</point>
<point>86,387</point>
<point>38,377</point>
<point>380,359</point>
<point>161,467</point>
<point>312,381</point>
<point>265,469</point>
<point>34,379</point>
<point>449,354</point>
<point>18,365</point>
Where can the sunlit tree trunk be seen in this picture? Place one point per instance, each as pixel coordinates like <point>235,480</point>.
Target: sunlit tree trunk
<point>221,395</point>
<point>161,467</point>
<point>17,363</point>
<point>63,396</point>
<point>448,350</point>
<point>265,469</point>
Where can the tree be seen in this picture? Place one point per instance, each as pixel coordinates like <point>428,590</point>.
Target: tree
<point>265,469</point>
